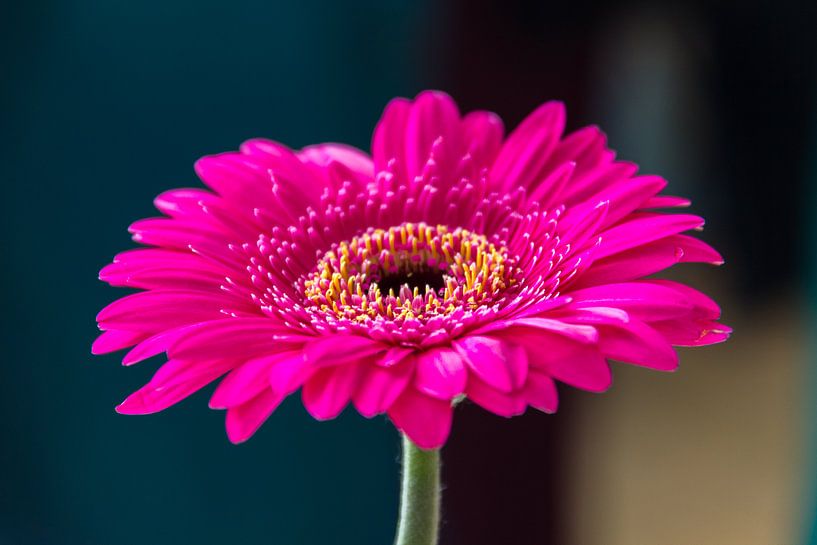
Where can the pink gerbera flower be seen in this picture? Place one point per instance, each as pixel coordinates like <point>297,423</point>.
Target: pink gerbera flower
<point>449,263</point>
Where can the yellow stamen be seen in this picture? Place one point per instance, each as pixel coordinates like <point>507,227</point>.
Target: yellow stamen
<point>473,272</point>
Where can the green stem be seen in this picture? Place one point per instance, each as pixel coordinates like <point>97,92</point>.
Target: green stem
<point>419,496</point>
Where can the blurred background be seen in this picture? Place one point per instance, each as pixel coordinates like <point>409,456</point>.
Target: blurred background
<point>104,104</point>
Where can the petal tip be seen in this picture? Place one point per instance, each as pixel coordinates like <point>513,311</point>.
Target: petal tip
<point>127,408</point>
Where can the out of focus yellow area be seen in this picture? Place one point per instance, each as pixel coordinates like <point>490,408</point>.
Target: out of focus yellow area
<point>709,455</point>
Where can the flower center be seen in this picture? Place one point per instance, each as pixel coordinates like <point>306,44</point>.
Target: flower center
<point>412,271</point>
<point>413,279</point>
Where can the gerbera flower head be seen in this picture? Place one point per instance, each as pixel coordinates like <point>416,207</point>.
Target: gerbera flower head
<point>450,262</point>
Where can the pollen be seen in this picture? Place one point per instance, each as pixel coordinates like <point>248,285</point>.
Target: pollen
<point>409,272</point>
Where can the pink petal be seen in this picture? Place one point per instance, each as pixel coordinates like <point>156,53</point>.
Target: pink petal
<point>666,201</point>
<point>393,356</point>
<point>389,136</point>
<point>639,344</point>
<point>425,420</point>
<point>352,158</point>
<point>579,364</point>
<point>183,202</point>
<point>499,364</point>
<point>156,344</point>
<point>643,300</point>
<point>433,115</point>
<point>586,147</point>
<point>159,268</point>
<point>113,340</point>
<point>642,230</point>
<point>705,307</point>
<point>483,134</point>
<point>380,386</point>
<point>505,404</point>
<point>181,235</point>
<point>698,251</point>
<point>540,392</point>
<point>647,259</point>
<point>594,316</point>
<point>244,420</point>
<point>235,337</point>
<point>239,179</point>
<point>680,332</point>
<point>166,277</point>
<point>327,392</point>
<point>580,333</point>
<point>525,152</point>
<point>628,195</point>
<point>588,182</point>
<point>289,373</point>
<point>440,373</point>
<point>174,381</point>
<point>339,349</point>
<point>244,382</point>
<point>587,226</point>
<point>273,178</point>
<point>547,192</point>
<point>631,265</point>
<point>163,309</point>
<point>209,210</point>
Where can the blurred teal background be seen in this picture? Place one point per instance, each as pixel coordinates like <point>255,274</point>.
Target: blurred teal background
<point>103,105</point>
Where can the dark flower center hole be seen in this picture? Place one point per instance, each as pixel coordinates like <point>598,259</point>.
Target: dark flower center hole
<point>413,279</point>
